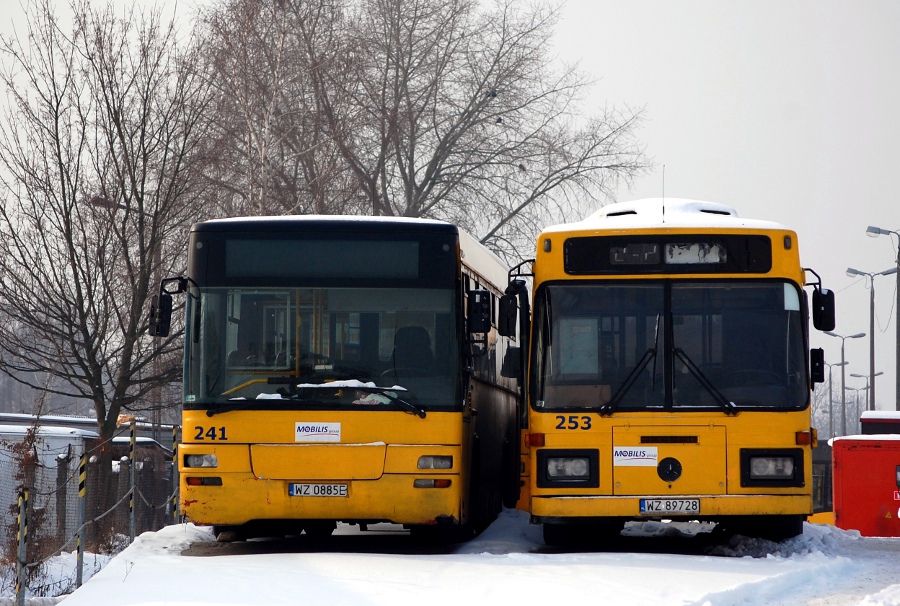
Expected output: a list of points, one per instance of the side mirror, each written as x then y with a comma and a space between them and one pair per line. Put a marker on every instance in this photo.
160, 315
823, 309
506, 323
512, 363
817, 365
478, 311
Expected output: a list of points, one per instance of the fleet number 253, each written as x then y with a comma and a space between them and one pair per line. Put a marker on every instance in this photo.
573, 422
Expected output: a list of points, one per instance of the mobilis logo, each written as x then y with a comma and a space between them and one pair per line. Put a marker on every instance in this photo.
317, 432
635, 457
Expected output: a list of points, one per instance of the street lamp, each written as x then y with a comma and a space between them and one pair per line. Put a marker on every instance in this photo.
869, 384
831, 397
843, 385
871, 279
856, 400
875, 232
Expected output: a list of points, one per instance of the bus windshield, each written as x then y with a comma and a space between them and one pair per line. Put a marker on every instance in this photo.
662, 344
280, 347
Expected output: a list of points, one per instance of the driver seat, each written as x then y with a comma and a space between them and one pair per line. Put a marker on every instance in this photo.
412, 348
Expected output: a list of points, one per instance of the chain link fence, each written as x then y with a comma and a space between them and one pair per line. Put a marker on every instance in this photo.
57, 502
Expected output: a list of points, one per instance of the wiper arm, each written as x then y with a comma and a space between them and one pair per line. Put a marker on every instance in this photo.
610, 407
729, 407
236, 405
243, 404
387, 392
406, 406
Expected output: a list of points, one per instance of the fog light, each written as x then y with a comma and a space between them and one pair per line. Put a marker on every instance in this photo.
435, 462
771, 468
194, 481
559, 468
201, 460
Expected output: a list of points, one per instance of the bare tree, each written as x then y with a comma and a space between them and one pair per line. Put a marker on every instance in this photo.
273, 154
440, 109
97, 156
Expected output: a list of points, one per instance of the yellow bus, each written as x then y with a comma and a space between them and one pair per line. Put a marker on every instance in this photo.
342, 369
669, 373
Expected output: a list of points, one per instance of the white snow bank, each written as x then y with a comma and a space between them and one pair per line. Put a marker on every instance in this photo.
506, 564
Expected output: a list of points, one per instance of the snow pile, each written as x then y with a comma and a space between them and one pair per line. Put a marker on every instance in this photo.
507, 563
885, 597
816, 538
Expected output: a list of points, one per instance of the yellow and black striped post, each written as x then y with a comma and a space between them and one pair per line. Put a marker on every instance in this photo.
82, 493
175, 474
22, 541
131, 466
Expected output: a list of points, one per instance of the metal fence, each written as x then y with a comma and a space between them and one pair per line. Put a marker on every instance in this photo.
48, 510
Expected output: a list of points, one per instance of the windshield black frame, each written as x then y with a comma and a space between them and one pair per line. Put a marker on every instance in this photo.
316, 327
669, 344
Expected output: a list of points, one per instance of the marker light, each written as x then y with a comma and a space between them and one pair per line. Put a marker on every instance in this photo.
535, 440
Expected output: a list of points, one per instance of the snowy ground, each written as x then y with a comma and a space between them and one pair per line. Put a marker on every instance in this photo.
181, 565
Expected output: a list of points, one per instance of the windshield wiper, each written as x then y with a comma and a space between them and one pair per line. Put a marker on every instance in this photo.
729, 407
243, 403
387, 392
406, 406
610, 407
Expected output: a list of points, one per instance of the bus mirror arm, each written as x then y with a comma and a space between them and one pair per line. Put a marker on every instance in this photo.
516, 292
823, 309
160, 319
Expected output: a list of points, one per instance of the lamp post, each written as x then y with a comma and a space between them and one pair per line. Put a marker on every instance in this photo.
831, 396
843, 385
856, 400
875, 232
871, 279
869, 384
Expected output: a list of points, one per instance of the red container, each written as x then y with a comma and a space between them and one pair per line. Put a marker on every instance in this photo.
867, 484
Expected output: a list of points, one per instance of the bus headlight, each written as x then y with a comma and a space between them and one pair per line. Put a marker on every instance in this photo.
775, 467
435, 462
771, 468
568, 468
562, 468
201, 460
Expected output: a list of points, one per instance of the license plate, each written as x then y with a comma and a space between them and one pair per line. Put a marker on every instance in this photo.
317, 490
650, 507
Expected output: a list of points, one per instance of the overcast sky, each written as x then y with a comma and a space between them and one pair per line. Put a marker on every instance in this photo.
786, 110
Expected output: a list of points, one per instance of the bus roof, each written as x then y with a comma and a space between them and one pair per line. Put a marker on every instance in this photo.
324, 222
665, 212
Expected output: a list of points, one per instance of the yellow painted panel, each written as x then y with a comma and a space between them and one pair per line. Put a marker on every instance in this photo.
702, 464
317, 461
356, 427
392, 498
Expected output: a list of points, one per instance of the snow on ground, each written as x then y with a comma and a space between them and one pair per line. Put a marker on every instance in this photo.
505, 564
